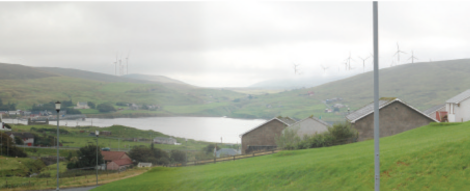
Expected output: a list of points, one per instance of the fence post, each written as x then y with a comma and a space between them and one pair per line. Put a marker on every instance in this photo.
214, 159
233, 157
253, 153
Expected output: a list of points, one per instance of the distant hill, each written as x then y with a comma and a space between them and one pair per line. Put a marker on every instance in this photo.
294, 83
154, 78
87, 75
16, 72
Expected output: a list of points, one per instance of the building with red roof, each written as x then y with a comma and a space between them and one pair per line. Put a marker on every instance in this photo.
116, 160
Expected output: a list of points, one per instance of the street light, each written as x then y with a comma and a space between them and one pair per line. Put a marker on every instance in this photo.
57, 108
97, 133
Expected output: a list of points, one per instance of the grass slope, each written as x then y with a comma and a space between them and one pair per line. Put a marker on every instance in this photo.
433, 157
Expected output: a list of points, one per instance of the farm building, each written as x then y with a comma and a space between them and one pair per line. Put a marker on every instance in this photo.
458, 107
28, 138
437, 112
164, 140
116, 160
263, 137
309, 126
395, 117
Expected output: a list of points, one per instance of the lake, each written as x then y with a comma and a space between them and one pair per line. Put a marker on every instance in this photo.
199, 128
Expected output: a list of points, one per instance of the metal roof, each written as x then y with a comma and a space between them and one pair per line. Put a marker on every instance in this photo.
459, 98
368, 109
287, 120
316, 119
433, 109
277, 119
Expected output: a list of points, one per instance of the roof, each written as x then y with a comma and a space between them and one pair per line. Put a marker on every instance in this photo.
287, 120
273, 119
384, 101
112, 155
316, 119
164, 138
227, 151
433, 109
459, 98
22, 135
122, 162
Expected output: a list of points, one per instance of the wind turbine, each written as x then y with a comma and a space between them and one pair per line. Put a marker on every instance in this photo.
324, 68
127, 62
412, 58
296, 70
364, 62
115, 64
348, 60
397, 53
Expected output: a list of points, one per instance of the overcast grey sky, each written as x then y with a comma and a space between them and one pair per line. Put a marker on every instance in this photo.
228, 44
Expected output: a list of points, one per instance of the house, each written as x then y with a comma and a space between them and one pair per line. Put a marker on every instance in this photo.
395, 117
28, 138
82, 105
116, 160
134, 106
144, 164
3, 127
107, 133
458, 107
437, 112
164, 140
309, 126
226, 152
263, 137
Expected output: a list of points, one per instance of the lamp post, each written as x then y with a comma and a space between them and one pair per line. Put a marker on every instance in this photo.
57, 108
97, 133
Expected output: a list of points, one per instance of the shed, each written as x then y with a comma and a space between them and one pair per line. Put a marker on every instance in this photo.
395, 117
144, 164
458, 107
437, 112
119, 164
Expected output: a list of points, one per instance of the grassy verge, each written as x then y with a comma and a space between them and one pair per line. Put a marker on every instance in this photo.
432, 157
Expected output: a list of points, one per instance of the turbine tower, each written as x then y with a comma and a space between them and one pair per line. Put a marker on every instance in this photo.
412, 58
364, 62
127, 62
397, 53
324, 68
348, 61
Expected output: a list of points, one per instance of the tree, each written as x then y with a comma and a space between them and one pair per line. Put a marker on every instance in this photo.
105, 107
209, 149
8, 147
178, 156
91, 105
87, 157
72, 111
18, 141
153, 155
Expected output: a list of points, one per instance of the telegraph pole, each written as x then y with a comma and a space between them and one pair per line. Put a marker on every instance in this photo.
376, 96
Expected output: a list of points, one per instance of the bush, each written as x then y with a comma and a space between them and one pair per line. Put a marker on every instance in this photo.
178, 156
91, 105
153, 155
288, 139
72, 111
9, 148
87, 157
105, 107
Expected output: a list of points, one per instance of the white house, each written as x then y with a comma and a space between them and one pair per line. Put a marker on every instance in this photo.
3, 127
164, 140
82, 105
309, 126
458, 107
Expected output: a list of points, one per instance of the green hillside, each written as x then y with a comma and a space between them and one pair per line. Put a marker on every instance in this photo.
432, 157
422, 85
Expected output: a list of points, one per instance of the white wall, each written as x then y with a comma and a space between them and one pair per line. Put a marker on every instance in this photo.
462, 112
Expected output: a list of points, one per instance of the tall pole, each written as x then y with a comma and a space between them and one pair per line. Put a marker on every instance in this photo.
376, 96
97, 159
57, 151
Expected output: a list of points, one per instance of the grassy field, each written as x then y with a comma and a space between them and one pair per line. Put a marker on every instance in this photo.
75, 138
433, 157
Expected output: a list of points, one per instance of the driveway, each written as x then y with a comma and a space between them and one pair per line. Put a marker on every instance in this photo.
77, 189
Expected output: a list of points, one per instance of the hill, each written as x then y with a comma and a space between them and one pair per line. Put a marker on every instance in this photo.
427, 158
87, 75
154, 78
422, 85
17, 72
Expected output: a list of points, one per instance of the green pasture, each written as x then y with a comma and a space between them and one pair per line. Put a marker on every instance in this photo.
433, 157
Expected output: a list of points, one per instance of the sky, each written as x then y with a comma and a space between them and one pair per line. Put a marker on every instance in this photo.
229, 44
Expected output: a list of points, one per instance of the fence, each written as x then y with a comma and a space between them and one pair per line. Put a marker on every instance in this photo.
225, 159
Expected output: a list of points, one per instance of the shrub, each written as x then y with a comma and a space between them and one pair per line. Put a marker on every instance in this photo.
178, 156
288, 139
105, 107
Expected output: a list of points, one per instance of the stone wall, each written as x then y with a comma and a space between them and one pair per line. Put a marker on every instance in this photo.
394, 118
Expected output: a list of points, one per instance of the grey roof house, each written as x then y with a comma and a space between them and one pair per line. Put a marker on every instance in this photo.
309, 126
458, 107
395, 117
263, 137
437, 112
